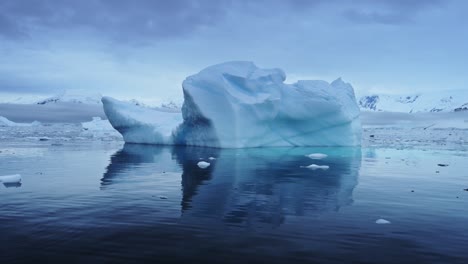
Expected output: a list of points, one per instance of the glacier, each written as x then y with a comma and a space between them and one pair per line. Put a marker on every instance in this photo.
238, 105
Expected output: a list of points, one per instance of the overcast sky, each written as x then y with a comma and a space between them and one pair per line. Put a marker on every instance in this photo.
145, 48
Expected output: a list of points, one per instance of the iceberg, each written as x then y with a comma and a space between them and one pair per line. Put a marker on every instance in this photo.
16, 178
317, 156
238, 105
382, 222
203, 164
141, 125
317, 167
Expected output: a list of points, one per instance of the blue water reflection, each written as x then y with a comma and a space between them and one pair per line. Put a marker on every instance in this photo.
248, 186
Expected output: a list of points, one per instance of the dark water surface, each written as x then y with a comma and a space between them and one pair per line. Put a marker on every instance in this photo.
104, 203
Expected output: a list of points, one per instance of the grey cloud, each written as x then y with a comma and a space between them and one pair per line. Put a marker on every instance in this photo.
9, 28
21, 87
388, 11
119, 19
147, 20
376, 17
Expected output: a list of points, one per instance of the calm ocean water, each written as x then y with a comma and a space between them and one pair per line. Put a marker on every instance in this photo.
106, 203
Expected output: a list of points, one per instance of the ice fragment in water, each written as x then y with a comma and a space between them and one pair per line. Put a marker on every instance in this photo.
317, 156
203, 164
16, 178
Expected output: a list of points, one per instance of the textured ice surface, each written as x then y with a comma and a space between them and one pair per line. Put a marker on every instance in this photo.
237, 105
139, 124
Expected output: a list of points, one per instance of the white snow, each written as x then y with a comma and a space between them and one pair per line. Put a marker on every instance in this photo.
203, 164
16, 178
139, 124
382, 222
20, 99
4, 122
317, 167
77, 96
440, 101
317, 156
426, 121
237, 105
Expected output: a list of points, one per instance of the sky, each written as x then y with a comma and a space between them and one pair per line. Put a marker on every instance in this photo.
144, 49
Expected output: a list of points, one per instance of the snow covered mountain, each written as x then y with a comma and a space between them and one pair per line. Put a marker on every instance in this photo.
444, 101
28, 99
72, 100
73, 96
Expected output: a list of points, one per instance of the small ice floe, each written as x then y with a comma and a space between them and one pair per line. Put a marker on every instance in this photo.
162, 197
382, 222
16, 178
44, 139
203, 164
316, 167
211, 158
317, 156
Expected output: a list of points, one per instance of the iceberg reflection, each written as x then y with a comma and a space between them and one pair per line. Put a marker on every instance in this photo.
245, 186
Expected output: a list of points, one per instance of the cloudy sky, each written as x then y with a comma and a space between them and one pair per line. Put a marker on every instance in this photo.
145, 48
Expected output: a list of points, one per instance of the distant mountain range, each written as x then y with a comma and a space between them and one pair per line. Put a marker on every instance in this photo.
73, 96
444, 101
88, 98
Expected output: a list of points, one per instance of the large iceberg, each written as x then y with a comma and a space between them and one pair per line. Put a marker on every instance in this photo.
237, 105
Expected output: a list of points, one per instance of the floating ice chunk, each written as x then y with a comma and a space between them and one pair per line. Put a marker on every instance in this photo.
317, 156
317, 167
203, 164
211, 158
382, 222
15, 178
162, 197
